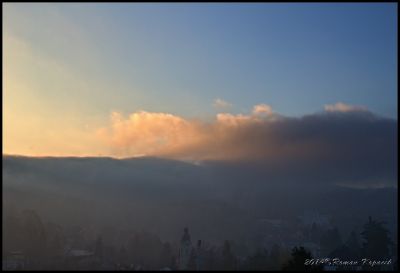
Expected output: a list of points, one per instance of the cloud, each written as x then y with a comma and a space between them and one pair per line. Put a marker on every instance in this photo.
163, 134
147, 133
344, 108
219, 103
262, 109
345, 146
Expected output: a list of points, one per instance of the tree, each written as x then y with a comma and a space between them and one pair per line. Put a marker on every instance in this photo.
298, 259
99, 251
34, 234
354, 246
315, 233
376, 240
173, 265
165, 255
192, 260
12, 230
123, 256
331, 240
210, 260
55, 240
228, 259
258, 261
275, 257
350, 250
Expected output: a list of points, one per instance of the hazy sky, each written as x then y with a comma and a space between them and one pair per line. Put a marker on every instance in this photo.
71, 70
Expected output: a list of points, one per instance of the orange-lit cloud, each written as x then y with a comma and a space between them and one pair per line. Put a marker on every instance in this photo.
262, 109
148, 133
162, 134
261, 134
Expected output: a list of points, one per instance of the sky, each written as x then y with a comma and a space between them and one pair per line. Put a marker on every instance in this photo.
170, 79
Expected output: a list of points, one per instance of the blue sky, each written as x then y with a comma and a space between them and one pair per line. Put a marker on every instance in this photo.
86, 60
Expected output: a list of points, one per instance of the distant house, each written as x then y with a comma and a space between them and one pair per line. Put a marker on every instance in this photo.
80, 259
14, 260
273, 223
308, 218
269, 232
79, 253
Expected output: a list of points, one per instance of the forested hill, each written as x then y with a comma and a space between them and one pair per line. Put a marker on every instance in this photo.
162, 196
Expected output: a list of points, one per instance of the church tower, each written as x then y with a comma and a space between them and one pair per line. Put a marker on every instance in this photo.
185, 250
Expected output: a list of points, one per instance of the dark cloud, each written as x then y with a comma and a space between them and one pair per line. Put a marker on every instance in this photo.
356, 148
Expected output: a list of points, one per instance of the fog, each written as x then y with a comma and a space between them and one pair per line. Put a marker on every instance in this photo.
217, 200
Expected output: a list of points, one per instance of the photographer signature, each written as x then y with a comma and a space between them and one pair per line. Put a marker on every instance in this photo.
339, 262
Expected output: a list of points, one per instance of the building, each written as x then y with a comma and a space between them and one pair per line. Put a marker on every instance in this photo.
14, 260
184, 250
80, 259
308, 218
199, 256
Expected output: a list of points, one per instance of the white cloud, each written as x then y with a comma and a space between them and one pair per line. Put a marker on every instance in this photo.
220, 103
342, 107
262, 109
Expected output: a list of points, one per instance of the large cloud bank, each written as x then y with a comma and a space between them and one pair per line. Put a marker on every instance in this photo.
228, 137
345, 141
